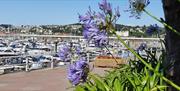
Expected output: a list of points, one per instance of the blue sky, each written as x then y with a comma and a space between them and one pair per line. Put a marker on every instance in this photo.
61, 12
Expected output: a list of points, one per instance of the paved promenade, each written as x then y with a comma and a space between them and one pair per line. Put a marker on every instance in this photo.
38, 80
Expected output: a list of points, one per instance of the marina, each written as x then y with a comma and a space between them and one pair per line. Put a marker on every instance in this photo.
89, 45
31, 52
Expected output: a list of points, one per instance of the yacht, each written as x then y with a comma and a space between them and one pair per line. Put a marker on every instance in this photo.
6, 51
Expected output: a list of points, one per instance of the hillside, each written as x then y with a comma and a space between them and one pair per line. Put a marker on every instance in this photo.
70, 29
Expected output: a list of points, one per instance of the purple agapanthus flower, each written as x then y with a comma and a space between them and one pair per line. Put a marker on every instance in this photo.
78, 50
78, 72
117, 13
153, 29
84, 18
137, 6
87, 17
106, 7
96, 25
90, 31
101, 39
100, 19
103, 4
64, 53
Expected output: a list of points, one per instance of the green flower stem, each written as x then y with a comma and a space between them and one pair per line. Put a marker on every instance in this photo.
171, 83
144, 62
165, 24
111, 55
131, 50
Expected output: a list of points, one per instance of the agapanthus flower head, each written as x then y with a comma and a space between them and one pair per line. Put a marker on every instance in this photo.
103, 4
78, 50
106, 7
84, 18
137, 6
87, 17
99, 37
101, 40
100, 19
78, 72
90, 32
96, 28
117, 13
153, 29
64, 53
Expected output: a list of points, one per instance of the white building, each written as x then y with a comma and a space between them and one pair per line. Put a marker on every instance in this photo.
123, 33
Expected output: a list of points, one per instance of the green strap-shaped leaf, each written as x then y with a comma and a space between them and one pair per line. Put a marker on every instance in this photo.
100, 83
130, 80
90, 87
161, 88
117, 85
79, 88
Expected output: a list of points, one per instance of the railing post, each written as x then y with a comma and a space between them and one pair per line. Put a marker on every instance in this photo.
88, 57
27, 65
52, 63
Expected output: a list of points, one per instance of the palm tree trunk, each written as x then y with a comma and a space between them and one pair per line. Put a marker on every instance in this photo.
172, 17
